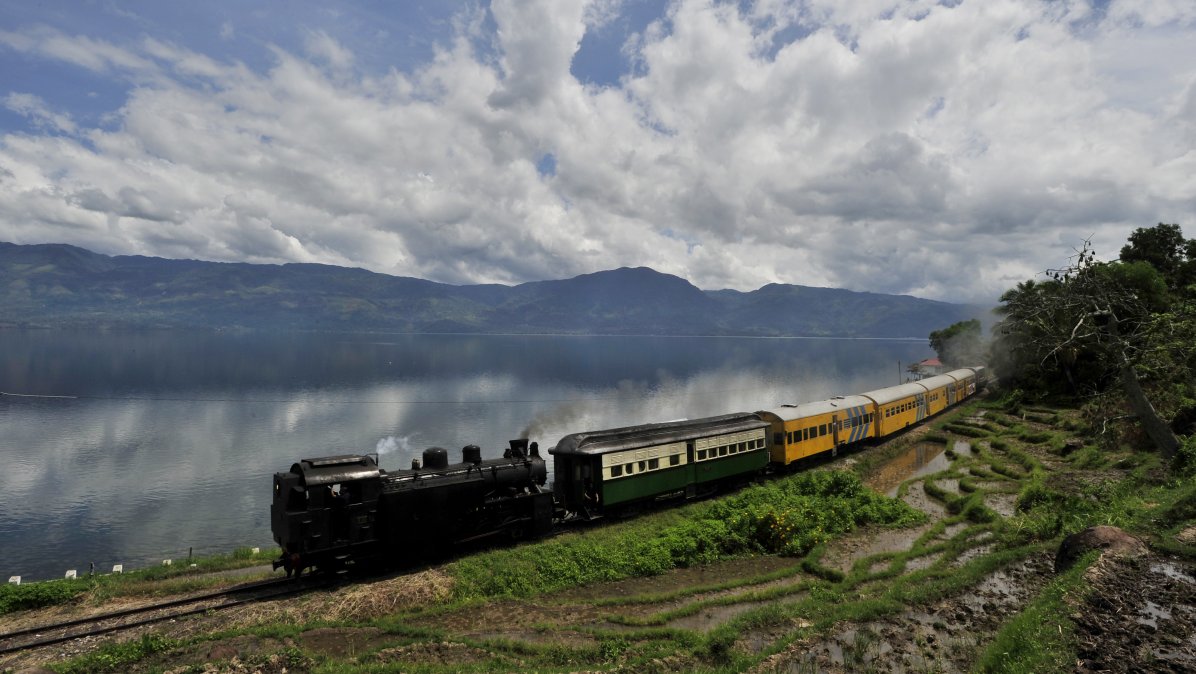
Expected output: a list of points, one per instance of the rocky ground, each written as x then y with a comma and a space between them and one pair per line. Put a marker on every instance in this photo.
1138, 614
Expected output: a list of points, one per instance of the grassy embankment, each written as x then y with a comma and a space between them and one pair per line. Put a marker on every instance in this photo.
1020, 454
158, 581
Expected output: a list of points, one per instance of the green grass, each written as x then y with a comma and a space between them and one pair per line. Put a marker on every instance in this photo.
789, 516
116, 656
154, 581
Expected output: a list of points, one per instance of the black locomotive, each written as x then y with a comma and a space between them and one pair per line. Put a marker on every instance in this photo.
327, 512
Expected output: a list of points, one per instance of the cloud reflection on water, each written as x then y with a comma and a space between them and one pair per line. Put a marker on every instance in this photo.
179, 455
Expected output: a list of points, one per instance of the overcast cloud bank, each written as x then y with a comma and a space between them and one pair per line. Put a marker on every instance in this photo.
940, 151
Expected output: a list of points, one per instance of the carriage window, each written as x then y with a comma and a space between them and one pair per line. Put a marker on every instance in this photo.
722, 451
629, 468
641, 466
616, 471
675, 460
653, 464
822, 429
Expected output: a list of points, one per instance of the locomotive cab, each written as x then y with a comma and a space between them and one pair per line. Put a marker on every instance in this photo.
322, 505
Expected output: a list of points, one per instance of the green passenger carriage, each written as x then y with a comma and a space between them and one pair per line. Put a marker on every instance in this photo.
614, 468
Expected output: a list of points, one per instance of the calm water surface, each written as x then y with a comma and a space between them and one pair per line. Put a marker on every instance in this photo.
170, 439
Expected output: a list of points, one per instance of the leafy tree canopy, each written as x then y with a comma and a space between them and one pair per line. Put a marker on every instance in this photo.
1164, 248
1110, 331
960, 344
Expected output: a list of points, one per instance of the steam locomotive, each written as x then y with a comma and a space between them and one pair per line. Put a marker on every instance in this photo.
327, 512
331, 511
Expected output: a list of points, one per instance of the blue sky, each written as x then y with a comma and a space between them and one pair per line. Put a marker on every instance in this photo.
875, 145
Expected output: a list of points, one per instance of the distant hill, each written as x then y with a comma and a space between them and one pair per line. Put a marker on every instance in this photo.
61, 286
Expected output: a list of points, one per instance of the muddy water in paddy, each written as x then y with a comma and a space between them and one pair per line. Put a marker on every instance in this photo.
920, 460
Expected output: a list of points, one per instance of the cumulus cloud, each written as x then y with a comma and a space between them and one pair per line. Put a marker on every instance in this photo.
912, 147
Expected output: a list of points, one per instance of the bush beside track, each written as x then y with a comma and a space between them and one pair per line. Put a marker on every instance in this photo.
790, 516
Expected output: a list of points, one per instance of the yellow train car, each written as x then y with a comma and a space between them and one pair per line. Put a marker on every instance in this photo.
898, 407
938, 393
965, 383
804, 430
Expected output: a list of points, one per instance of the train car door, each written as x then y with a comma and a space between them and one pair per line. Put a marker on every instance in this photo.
835, 424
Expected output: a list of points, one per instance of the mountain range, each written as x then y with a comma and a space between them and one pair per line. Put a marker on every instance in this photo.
62, 286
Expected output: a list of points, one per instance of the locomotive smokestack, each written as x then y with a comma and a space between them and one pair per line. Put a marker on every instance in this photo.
518, 449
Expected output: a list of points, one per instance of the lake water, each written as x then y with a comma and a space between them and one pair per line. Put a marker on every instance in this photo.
168, 440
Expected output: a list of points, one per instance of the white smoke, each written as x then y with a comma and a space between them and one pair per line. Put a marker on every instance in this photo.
394, 443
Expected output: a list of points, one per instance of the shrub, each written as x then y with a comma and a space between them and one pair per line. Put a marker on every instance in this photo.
788, 516
37, 595
1185, 459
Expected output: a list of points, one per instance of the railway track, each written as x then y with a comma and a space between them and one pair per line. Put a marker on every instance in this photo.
116, 621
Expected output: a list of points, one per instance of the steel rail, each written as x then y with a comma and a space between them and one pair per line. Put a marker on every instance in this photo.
285, 587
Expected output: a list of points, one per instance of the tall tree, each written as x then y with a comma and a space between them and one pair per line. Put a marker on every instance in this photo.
959, 344
1162, 247
1087, 324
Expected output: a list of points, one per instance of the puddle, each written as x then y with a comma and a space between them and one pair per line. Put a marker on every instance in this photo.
953, 529
1172, 571
848, 551
948, 484
1151, 614
713, 616
917, 498
1004, 505
998, 589
972, 553
677, 579
568, 638
756, 640
921, 459
990, 485
920, 563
